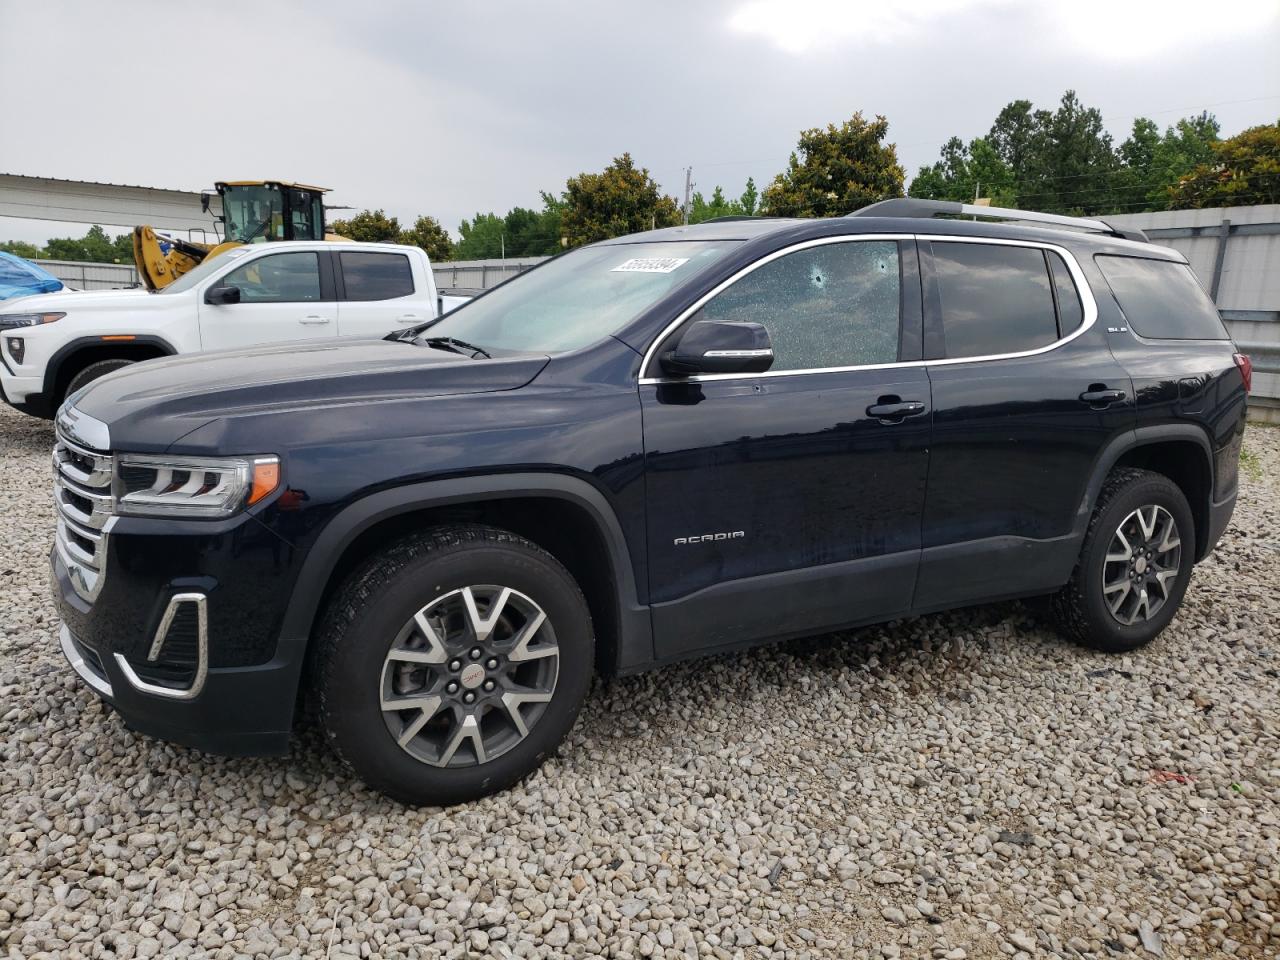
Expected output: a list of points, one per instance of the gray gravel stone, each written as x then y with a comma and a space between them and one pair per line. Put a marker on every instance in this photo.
961, 785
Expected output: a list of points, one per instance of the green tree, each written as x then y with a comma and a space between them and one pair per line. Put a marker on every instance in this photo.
94, 247
619, 200
20, 248
836, 171
123, 248
1070, 161
368, 226
965, 171
481, 238
1244, 169
1152, 165
533, 233
521, 233
1186, 145
430, 237
701, 209
1012, 136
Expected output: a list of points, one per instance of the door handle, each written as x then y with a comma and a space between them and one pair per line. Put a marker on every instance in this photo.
314, 319
1099, 397
894, 410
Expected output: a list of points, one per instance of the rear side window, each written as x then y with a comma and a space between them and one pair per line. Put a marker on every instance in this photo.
995, 299
1161, 299
376, 276
1070, 312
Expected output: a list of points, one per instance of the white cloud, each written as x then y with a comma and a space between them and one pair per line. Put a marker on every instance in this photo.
1110, 29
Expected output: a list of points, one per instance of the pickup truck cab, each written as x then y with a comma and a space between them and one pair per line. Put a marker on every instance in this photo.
53, 344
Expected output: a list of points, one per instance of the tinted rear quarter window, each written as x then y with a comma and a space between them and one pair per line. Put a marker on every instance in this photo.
995, 299
1161, 299
1070, 312
376, 276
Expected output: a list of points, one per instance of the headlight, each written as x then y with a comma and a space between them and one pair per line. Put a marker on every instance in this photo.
153, 486
11, 321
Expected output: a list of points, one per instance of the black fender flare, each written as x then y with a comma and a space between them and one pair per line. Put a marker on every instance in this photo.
68, 349
635, 639
1133, 439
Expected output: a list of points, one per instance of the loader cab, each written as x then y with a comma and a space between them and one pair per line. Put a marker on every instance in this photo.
263, 211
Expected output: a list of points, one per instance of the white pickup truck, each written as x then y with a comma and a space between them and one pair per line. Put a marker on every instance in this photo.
54, 343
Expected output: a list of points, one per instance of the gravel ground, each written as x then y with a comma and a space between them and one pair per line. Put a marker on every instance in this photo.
965, 785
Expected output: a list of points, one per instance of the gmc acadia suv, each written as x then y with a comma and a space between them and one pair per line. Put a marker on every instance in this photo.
664, 445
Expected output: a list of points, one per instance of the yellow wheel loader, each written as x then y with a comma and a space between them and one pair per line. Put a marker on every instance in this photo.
253, 211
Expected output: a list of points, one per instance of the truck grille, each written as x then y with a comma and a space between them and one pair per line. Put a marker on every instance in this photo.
82, 494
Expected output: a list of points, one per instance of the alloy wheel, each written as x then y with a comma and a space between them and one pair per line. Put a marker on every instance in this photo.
1141, 565
469, 675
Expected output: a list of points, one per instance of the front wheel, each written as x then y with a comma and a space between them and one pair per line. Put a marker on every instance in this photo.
92, 372
1135, 564
452, 664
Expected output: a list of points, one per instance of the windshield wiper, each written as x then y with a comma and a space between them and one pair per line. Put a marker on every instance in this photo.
454, 345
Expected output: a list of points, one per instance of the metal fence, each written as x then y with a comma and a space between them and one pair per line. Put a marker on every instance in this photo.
92, 276
476, 275
1235, 251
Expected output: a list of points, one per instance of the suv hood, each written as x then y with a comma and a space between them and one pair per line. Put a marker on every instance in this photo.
148, 406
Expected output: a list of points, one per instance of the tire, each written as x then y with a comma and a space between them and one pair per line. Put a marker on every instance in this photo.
91, 373
1104, 577
430, 577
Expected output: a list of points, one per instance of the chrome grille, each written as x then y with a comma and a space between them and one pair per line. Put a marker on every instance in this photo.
82, 494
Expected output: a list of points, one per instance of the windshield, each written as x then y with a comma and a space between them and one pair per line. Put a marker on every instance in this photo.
253, 214
203, 269
579, 298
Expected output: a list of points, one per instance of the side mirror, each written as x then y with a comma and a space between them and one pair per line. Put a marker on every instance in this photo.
223, 294
720, 346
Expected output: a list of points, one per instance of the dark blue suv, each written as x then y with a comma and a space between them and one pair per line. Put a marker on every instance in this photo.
659, 446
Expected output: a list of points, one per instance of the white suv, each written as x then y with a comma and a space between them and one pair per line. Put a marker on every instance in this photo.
53, 344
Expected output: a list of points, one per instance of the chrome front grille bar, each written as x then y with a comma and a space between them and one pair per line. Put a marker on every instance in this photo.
86, 509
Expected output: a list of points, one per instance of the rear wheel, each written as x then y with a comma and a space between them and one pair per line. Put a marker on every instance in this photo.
91, 373
452, 664
1135, 564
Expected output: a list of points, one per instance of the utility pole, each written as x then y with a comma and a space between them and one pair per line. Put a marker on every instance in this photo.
688, 192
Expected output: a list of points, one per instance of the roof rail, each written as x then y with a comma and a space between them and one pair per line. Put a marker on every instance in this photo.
913, 207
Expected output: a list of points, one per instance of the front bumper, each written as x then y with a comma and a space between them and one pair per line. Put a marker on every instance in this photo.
24, 395
245, 710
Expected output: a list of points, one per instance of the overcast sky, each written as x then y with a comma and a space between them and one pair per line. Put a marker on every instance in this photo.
454, 108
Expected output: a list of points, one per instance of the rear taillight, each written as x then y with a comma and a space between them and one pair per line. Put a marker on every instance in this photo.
1245, 366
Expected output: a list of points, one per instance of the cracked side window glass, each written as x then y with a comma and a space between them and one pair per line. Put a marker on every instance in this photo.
835, 305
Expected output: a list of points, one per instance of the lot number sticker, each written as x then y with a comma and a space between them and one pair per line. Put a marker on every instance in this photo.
650, 265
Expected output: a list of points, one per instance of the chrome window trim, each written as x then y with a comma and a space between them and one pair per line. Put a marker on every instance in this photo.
1087, 301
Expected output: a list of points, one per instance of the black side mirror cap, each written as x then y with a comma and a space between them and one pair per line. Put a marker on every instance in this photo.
720, 346
224, 294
